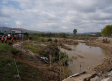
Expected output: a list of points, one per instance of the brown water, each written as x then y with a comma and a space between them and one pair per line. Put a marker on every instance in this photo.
82, 47
85, 56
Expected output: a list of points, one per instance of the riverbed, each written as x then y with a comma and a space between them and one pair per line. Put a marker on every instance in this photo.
85, 57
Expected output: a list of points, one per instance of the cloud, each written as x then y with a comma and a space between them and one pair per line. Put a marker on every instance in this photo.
4, 21
18, 22
64, 27
56, 15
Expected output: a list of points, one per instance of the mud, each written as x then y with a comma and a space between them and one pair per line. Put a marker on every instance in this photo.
104, 66
100, 44
85, 57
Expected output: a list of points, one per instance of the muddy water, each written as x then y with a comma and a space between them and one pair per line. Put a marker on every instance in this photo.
81, 47
85, 56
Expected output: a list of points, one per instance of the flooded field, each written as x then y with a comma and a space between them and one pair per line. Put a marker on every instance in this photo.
85, 56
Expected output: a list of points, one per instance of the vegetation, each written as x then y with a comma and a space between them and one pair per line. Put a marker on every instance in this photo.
8, 70
50, 50
75, 31
8, 49
107, 31
36, 36
64, 59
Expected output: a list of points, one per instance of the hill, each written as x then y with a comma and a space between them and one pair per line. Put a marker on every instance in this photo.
18, 66
23, 30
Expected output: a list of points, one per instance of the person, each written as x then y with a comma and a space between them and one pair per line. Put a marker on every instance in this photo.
5, 39
12, 39
2, 39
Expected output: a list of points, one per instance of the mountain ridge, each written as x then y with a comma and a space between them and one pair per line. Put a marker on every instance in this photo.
2, 29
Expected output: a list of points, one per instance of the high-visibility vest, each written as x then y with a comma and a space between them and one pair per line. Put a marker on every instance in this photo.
5, 38
2, 38
12, 39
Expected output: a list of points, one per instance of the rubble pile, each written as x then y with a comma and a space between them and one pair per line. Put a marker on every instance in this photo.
106, 41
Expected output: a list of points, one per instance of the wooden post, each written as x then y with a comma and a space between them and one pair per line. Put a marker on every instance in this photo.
50, 59
80, 67
59, 62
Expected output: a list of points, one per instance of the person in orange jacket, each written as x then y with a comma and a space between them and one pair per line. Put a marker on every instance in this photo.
2, 39
12, 39
5, 39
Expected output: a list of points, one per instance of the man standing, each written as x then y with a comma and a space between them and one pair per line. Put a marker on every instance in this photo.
5, 39
2, 39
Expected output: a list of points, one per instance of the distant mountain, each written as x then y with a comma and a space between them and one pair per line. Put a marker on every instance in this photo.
87, 33
31, 31
5, 29
23, 30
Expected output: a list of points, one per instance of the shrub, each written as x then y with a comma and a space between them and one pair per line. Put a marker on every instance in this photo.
50, 49
49, 39
55, 40
64, 59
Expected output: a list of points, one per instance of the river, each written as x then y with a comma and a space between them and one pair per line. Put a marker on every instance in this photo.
85, 57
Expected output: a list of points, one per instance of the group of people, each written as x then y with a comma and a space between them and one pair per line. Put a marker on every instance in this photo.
4, 38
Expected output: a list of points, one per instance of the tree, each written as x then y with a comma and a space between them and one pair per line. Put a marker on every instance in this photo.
107, 31
75, 31
98, 34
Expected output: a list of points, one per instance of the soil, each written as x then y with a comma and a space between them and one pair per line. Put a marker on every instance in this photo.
28, 58
80, 59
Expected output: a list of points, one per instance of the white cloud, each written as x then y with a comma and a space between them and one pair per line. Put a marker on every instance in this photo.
18, 22
64, 27
53, 15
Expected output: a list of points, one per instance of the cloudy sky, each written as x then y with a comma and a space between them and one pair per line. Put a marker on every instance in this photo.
56, 15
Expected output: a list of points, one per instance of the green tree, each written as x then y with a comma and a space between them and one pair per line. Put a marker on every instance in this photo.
40, 34
98, 34
75, 31
107, 31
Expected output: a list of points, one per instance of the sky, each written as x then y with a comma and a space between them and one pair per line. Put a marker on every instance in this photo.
56, 15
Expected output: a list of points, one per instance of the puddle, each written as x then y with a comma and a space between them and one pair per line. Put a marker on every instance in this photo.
85, 56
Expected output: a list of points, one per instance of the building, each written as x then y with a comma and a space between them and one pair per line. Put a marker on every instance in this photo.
16, 34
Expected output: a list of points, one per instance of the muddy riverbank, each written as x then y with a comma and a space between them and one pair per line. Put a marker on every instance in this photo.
99, 43
85, 57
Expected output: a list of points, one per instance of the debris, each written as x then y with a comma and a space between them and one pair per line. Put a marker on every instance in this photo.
105, 40
104, 66
77, 74
42, 59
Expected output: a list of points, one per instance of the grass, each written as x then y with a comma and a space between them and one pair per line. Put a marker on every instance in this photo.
33, 48
45, 51
4, 47
46, 43
8, 49
8, 70
50, 49
25, 43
